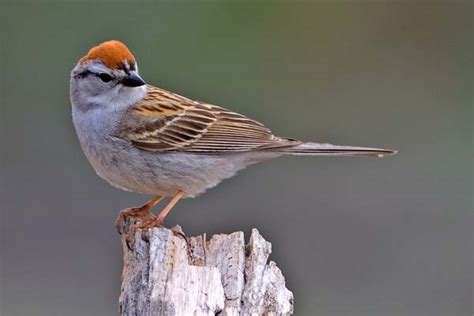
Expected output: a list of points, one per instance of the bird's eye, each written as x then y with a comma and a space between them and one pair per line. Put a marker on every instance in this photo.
104, 77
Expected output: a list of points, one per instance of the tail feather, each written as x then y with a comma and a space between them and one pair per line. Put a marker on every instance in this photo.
317, 149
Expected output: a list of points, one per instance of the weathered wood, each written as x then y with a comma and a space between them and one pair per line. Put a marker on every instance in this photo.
170, 274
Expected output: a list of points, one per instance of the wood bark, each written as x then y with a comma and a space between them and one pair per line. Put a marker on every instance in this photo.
167, 273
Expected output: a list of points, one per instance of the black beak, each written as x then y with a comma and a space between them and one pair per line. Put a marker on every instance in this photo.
133, 80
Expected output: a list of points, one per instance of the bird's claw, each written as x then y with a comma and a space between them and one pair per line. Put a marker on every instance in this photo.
129, 243
178, 231
132, 216
143, 229
130, 221
145, 235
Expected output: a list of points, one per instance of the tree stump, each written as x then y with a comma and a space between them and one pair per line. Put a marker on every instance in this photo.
171, 274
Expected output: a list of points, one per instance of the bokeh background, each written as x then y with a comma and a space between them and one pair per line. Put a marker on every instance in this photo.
353, 236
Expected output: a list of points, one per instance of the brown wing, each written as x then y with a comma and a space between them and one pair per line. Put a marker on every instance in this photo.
164, 121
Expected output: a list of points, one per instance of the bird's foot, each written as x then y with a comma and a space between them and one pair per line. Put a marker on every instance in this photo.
155, 222
130, 220
131, 217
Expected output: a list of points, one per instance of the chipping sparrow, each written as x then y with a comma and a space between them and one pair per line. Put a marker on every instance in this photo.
144, 139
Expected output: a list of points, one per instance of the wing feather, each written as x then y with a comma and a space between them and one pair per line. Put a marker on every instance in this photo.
164, 121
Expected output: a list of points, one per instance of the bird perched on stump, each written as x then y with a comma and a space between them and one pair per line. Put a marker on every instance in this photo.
145, 139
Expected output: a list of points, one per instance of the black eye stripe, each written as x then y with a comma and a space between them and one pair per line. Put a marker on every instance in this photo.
104, 77
84, 74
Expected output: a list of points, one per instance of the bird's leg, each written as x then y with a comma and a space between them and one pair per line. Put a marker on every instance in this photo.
135, 215
161, 216
157, 221
153, 221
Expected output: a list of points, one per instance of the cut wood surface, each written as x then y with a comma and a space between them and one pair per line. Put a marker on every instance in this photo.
171, 274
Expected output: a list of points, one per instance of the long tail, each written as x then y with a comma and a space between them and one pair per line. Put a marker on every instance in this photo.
317, 149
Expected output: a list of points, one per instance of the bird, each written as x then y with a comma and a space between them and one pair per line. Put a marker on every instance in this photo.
145, 139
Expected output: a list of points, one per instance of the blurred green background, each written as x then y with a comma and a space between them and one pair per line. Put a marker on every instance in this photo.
353, 236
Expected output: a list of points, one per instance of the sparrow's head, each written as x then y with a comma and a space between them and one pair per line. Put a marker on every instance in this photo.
107, 76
